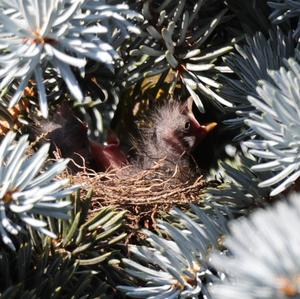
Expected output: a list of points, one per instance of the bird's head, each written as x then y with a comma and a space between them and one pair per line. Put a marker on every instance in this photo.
177, 129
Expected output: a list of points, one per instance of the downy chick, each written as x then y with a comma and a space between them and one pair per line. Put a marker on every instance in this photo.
66, 133
171, 139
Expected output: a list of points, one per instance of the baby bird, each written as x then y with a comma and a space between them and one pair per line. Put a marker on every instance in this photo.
171, 139
65, 132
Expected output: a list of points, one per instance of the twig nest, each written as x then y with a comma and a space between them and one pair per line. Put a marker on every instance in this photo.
142, 190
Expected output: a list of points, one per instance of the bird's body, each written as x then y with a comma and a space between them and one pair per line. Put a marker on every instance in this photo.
66, 133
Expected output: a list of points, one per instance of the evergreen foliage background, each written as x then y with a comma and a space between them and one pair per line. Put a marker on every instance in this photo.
112, 61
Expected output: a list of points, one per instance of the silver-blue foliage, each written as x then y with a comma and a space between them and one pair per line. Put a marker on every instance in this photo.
57, 34
240, 191
176, 267
251, 63
276, 124
283, 10
264, 255
28, 189
176, 40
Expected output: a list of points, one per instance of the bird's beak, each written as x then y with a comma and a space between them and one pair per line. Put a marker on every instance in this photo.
209, 127
112, 139
198, 130
109, 155
201, 131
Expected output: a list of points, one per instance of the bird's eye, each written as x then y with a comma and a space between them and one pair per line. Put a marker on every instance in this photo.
187, 125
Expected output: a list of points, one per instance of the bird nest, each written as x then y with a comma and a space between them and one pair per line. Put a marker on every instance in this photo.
145, 194
142, 191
